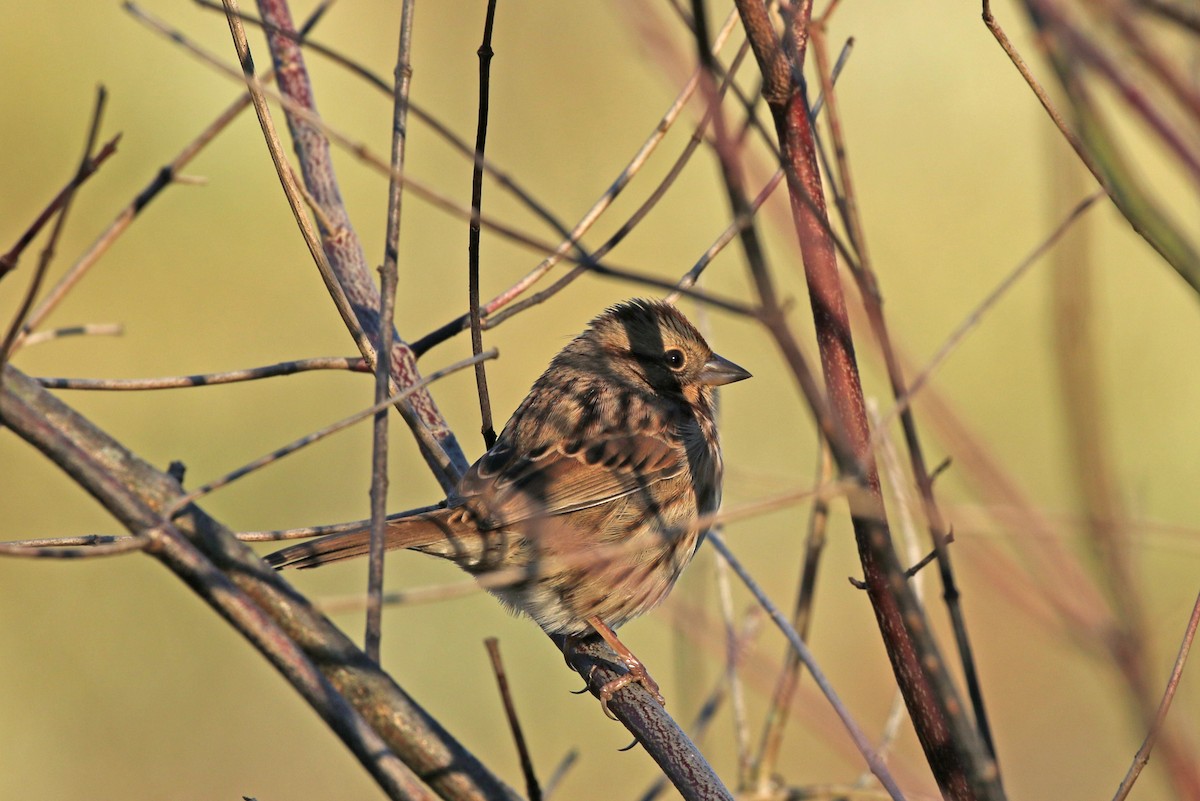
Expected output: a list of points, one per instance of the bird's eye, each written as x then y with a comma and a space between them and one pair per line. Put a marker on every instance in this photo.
674, 358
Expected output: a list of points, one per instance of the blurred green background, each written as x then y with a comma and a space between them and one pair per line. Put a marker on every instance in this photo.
118, 682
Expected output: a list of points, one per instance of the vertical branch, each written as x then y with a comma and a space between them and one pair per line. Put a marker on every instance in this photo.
388, 280
872, 301
952, 745
485, 64
400, 105
379, 464
532, 787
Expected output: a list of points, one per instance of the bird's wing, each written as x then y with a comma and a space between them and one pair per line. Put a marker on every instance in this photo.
505, 487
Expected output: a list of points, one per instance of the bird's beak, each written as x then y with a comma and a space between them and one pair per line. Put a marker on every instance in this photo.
718, 371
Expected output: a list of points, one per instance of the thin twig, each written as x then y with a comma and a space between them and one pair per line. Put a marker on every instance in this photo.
47, 256
389, 278
354, 364
401, 103
532, 788
8, 261
324, 432
733, 652
52, 549
876, 764
85, 330
485, 53
1143, 754
906, 524
984, 306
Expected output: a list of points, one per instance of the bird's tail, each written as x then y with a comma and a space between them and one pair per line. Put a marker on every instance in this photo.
416, 531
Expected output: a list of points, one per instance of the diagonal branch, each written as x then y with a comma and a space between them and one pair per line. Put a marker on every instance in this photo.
340, 249
377, 720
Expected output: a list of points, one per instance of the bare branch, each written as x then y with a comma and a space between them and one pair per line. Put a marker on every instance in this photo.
350, 363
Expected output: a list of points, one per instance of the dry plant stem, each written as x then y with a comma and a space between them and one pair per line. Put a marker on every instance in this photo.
856, 734
733, 645
533, 790
352, 364
361, 704
657, 732
388, 282
1143, 755
504, 179
65, 542
47, 255
648, 147
759, 670
481, 164
297, 197
389, 278
589, 218
1096, 149
1010, 50
485, 53
1079, 49
52, 549
907, 526
85, 330
789, 676
952, 745
8, 261
634, 219
1097, 482
430, 196
1132, 35
400, 107
341, 246
871, 297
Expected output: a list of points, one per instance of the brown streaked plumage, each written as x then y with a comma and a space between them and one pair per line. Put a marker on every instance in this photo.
592, 489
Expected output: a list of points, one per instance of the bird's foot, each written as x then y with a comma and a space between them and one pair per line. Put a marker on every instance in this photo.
635, 671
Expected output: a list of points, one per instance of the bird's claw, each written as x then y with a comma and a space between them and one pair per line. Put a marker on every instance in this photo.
636, 675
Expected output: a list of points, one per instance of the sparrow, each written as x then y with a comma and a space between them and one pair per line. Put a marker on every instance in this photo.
594, 497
